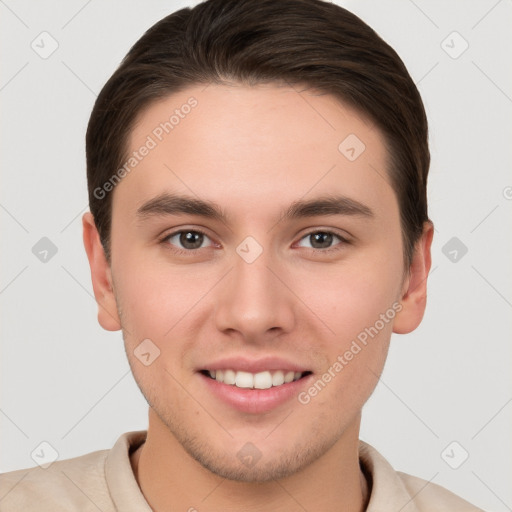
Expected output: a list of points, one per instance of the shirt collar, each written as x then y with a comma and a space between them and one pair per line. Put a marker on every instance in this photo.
387, 491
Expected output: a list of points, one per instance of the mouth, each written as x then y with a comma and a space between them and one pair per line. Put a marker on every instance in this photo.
262, 380
254, 386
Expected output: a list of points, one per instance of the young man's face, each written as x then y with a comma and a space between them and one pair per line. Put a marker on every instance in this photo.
258, 291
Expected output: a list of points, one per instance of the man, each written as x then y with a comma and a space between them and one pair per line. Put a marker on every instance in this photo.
257, 178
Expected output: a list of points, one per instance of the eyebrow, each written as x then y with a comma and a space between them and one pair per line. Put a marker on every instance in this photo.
171, 204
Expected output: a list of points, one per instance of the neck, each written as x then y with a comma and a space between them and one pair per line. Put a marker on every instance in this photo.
171, 479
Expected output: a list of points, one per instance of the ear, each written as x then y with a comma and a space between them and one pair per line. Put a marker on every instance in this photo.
414, 290
101, 275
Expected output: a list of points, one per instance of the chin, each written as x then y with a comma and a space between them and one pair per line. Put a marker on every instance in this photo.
259, 470
249, 464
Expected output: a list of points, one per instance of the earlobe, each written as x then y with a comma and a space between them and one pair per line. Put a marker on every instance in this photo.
414, 292
101, 275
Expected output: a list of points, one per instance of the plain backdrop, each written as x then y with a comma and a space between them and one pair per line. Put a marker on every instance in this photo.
66, 381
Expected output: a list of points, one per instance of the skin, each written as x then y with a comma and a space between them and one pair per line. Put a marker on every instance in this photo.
254, 151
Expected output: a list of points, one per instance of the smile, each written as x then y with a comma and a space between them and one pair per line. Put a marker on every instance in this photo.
260, 380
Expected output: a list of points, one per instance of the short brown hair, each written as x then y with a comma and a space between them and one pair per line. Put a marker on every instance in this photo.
299, 42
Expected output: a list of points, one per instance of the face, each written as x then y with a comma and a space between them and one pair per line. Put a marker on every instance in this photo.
257, 245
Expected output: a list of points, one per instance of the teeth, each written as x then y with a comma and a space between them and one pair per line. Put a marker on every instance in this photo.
288, 377
261, 380
278, 378
244, 380
229, 377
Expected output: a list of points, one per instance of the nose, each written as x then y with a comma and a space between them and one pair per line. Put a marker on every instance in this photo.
255, 301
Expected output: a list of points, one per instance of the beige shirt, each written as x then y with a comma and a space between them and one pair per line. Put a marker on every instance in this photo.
104, 481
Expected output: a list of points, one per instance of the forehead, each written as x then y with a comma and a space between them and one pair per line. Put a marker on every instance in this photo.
254, 145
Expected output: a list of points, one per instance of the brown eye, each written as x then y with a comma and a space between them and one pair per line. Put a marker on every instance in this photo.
320, 240
187, 239
191, 239
323, 241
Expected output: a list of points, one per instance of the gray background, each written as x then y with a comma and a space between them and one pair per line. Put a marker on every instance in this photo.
66, 381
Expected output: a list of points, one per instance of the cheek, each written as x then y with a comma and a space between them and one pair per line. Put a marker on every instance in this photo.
358, 304
353, 357
350, 298
154, 297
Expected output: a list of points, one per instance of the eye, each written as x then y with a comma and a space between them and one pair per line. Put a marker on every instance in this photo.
187, 240
321, 240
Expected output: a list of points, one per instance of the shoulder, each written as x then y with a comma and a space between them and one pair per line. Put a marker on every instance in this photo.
429, 496
394, 490
72, 484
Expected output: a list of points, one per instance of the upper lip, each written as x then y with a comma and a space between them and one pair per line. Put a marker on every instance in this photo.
254, 365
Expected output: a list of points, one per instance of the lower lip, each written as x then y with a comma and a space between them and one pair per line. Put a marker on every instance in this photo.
255, 401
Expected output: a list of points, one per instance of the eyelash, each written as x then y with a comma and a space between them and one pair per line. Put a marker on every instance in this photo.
177, 250
191, 252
